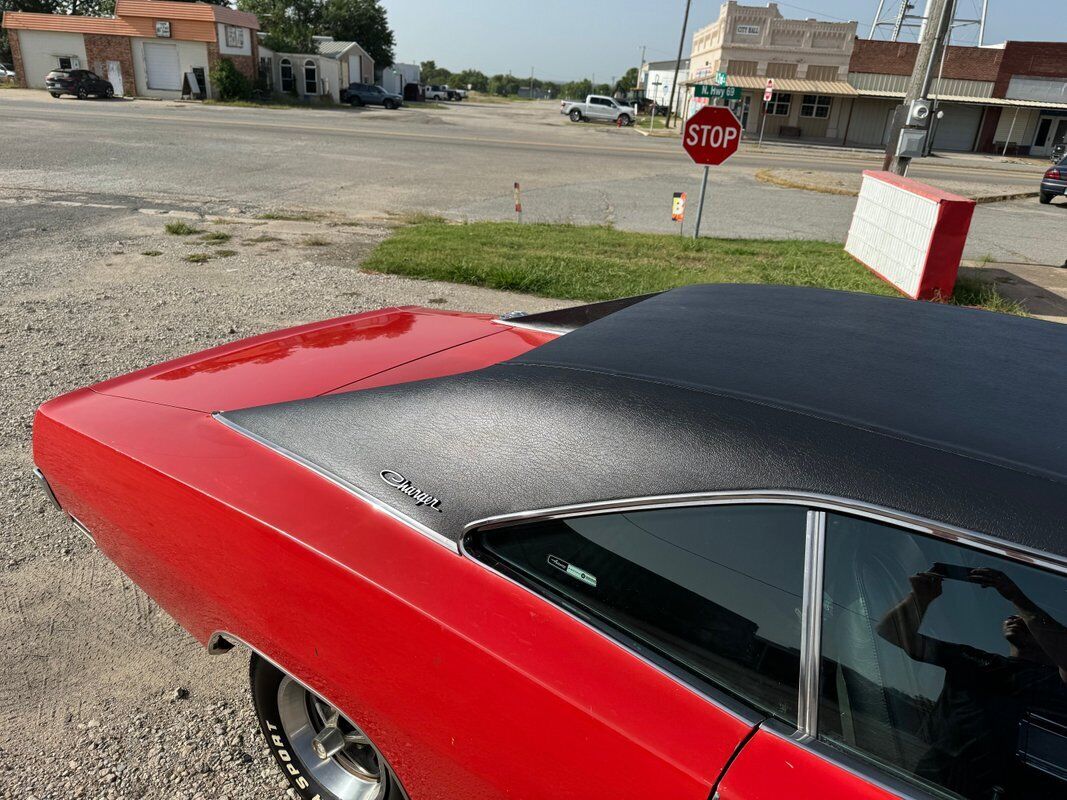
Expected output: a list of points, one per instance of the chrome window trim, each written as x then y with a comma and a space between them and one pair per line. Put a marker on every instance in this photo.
862, 769
370, 499
540, 327
811, 625
824, 502
720, 700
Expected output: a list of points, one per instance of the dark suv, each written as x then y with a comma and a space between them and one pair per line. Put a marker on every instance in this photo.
363, 94
78, 82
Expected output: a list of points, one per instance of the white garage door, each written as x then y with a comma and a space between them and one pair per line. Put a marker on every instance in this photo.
958, 129
161, 63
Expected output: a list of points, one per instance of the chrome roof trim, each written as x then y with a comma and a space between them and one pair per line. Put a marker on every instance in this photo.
721, 700
367, 498
811, 623
543, 327
979, 541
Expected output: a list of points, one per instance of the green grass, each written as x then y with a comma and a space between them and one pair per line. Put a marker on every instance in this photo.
599, 263
316, 241
198, 258
225, 253
263, 237
216, 236
180, 229
152, 253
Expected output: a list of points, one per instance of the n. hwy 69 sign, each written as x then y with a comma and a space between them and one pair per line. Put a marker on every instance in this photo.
711, 135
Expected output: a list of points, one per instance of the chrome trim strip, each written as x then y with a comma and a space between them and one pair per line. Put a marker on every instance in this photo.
811, 626
342, 483
81, 526
542, 327
889, 516
891, 785
214, 649
723, 702
46, 487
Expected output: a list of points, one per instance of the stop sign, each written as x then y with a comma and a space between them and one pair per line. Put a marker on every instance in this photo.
711, 135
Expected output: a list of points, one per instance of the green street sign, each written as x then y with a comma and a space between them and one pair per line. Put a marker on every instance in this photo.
725, 92
720, 78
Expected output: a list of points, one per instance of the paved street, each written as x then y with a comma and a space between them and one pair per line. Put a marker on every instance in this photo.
461, 161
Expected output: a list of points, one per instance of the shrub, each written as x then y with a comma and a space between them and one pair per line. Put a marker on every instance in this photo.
229, 82
180, 229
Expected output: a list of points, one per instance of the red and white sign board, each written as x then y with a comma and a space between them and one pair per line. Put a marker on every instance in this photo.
909, 234
768, 92
711, 135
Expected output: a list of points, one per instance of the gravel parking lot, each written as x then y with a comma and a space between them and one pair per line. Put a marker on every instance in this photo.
102, 695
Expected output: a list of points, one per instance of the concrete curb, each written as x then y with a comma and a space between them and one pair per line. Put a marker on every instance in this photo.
768, 176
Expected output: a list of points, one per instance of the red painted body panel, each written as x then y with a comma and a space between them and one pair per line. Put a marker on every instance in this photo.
471, 686
771, 767
301, 362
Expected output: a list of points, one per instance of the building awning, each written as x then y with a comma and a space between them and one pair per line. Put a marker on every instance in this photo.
981, 101
799, 85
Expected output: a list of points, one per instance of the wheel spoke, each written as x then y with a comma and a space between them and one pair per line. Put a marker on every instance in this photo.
356, 738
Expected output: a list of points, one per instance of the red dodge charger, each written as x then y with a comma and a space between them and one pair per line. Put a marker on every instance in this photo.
723, 541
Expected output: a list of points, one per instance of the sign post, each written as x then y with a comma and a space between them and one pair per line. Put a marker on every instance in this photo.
710, 137
678, 210
768, 93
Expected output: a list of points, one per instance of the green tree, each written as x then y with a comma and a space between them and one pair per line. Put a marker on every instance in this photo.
477, 80
289, 24
36, 6
628, 82
430, 73
362, 21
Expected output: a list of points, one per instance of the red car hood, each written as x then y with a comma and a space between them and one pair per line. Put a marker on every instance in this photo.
300, 362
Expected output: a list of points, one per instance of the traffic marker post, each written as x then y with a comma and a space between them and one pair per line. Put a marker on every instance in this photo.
711, 136
678, 211
518, 203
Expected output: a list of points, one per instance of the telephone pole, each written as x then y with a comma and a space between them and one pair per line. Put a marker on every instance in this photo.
922, 75
677, 65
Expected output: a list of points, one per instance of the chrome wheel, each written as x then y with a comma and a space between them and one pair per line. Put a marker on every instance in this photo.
336, 753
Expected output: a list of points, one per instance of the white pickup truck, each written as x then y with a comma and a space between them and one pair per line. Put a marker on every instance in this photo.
598, 106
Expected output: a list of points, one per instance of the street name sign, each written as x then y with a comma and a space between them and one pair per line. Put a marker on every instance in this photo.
710, 91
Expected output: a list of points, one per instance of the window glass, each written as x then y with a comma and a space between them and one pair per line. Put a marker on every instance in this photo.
944, 664
779, 104
815, 105
714, 591
311, 78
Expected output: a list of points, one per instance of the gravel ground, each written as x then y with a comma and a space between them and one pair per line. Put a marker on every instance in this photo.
102, 695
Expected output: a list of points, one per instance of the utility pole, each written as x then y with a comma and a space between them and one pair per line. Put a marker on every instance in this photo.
981, 26
678, 64
922, 76
640, 66
531, 83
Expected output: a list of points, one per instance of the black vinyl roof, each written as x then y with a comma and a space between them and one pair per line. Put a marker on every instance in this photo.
952, 414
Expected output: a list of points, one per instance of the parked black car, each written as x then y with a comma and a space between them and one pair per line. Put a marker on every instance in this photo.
363, 94
79, 82
1054, 181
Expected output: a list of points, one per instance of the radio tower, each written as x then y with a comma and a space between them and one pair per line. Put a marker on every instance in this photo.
897, 19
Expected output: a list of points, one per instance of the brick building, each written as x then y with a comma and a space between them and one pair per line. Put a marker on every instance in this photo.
834, 88
147, 49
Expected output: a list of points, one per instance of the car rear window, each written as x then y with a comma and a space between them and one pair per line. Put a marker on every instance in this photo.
59, 73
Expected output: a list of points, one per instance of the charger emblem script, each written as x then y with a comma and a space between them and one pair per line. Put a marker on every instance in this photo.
402, 484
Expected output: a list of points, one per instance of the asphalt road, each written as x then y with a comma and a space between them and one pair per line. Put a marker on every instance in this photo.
460, 161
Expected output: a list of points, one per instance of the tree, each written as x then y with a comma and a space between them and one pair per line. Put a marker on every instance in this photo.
289, 24
430, 73
628, 82
362, 21
229, 82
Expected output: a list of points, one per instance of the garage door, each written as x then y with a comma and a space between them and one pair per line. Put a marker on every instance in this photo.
958, 129
161, 64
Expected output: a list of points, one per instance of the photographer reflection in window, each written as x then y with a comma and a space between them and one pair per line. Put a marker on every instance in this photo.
976, 726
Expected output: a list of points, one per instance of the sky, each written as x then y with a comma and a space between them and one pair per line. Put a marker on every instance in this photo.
571, 39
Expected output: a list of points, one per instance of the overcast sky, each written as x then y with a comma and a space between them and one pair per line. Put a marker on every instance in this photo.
567, 39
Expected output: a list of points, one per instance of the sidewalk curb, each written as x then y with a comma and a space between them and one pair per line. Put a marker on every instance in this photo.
768, 176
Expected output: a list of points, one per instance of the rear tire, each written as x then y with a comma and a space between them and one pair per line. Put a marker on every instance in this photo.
575, 115
624, 120
355, 102
1045, 198
109, 92
82, 94
289, 715
55, 95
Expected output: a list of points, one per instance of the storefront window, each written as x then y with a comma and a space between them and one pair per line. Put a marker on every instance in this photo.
815, 105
